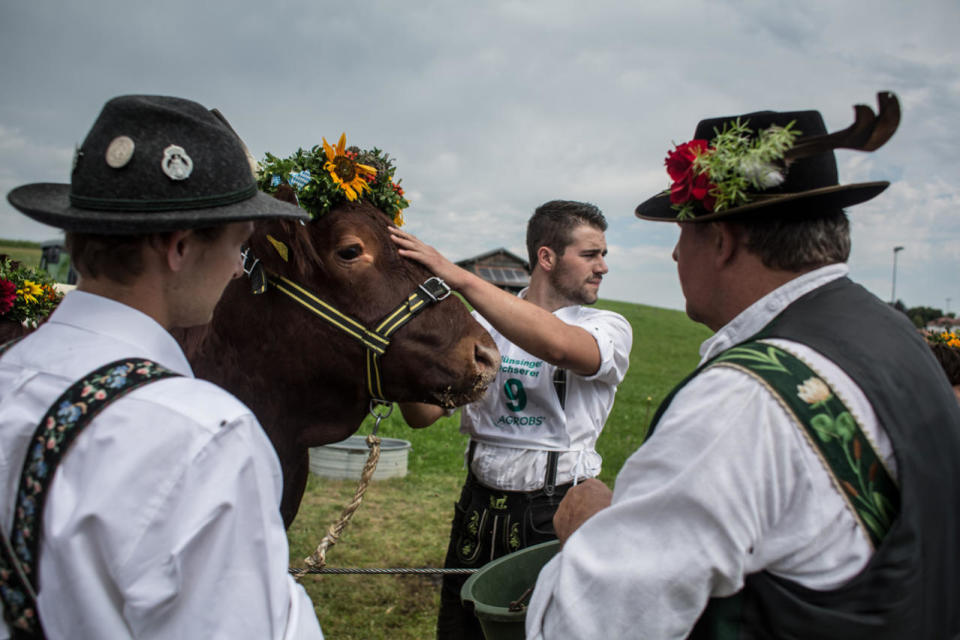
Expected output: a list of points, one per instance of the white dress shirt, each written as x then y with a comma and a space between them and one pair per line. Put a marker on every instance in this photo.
726, 486
513, 440
162, 520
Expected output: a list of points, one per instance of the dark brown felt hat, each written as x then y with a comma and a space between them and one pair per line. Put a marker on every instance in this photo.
153, 164
810, 184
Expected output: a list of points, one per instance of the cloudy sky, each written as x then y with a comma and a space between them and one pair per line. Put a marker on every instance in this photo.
491, 108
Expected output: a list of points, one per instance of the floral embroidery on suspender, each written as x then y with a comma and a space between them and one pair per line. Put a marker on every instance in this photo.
858, 472
63, 421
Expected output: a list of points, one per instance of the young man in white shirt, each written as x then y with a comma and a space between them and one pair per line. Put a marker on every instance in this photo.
161, 519
533, 434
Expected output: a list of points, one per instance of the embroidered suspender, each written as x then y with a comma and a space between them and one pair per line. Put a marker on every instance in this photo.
857, 471
63, 421
553, 457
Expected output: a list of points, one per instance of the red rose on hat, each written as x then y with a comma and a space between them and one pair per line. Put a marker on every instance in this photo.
686, 183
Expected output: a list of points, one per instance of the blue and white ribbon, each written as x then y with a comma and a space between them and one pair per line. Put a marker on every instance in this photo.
299, 180
275, 181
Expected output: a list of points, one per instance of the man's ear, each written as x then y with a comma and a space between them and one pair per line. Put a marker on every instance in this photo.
175, 248
546, 258
728, 240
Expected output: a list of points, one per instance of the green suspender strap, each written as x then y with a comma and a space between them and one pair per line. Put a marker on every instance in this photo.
858, 473
61, 424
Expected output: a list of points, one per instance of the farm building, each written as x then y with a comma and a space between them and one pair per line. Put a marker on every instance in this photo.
946, 323
504, 269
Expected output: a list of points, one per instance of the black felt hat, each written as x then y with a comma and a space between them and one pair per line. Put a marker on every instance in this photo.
153, 164
809, 169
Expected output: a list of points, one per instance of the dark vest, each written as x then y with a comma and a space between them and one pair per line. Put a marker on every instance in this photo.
910, 589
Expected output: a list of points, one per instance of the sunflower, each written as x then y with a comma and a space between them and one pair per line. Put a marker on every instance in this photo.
350, 175
30, 291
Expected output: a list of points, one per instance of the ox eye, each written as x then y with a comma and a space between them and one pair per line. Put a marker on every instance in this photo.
350, 253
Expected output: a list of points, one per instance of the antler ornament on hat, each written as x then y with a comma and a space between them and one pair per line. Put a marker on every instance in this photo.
768, 161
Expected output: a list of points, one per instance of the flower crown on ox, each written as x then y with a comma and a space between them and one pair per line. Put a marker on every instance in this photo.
720, 175
326, 176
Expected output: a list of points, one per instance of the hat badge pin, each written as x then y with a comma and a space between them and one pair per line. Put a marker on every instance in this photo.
120, 151
176, 164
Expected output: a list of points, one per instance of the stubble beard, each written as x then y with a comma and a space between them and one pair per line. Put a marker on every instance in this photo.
575, 295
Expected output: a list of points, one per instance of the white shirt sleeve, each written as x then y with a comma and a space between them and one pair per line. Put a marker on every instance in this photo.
614, 337
203, 556
711, 497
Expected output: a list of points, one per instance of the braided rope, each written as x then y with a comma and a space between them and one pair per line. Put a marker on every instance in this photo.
318, 560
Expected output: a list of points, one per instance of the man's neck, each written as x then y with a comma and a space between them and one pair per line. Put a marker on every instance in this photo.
541, 293
141, 295
746, 288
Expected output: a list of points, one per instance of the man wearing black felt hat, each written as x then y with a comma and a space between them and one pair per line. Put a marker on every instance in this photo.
138, 501
802, 482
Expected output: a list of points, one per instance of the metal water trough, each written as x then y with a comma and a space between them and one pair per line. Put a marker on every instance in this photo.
344, 460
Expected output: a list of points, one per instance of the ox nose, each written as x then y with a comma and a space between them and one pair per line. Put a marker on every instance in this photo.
486, 357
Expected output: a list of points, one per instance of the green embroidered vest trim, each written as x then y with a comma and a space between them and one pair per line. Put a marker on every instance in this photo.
857, 471
58, 428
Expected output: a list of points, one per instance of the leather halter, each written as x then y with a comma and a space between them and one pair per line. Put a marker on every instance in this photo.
375, 341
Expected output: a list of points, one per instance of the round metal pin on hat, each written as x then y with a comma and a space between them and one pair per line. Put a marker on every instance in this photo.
120, 151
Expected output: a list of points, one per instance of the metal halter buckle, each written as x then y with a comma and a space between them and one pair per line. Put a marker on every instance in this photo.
435, 288
248, 266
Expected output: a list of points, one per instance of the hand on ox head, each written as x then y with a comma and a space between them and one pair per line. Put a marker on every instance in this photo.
409, 246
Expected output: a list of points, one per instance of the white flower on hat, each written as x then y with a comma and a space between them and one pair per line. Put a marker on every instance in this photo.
765, 175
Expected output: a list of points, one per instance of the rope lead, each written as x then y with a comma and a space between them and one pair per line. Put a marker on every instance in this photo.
316, 562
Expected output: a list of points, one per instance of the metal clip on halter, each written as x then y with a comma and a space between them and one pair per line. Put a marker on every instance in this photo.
254, 270
379, 416
435, 289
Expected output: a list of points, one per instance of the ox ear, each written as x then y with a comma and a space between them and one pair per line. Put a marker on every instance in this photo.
286, 193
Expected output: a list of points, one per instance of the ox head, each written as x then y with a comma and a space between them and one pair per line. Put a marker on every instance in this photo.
304, 378
346, 260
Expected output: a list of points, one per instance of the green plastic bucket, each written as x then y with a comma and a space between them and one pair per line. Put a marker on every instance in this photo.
498, 583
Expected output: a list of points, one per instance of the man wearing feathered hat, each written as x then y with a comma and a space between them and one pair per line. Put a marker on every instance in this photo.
802, 482
139, 501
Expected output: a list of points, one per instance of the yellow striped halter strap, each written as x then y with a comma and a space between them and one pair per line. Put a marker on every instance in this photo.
375, 341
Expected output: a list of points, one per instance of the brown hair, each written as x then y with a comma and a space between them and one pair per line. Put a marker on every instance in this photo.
119, 257
553, 222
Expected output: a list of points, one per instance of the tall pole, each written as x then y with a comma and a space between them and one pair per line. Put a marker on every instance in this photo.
893, 292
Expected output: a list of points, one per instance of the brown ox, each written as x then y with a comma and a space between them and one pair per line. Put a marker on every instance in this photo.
304, 379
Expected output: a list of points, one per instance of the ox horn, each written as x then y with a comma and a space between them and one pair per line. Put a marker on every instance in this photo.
867, 133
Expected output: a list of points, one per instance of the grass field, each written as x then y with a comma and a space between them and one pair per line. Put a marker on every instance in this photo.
405, 522
22, 251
